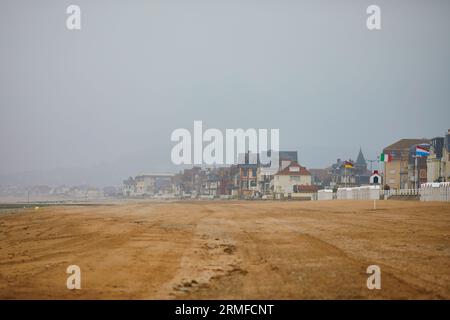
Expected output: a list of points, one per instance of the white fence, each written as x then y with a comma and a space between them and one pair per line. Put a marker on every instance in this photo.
435, 191
427, 192
400, 192
325, 195
359, 193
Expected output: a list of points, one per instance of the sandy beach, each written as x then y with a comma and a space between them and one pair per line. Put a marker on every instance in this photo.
227, 250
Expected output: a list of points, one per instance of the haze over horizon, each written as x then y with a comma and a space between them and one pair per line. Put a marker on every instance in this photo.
99, 104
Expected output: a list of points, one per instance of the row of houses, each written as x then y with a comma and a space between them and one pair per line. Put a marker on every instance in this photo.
148, 185
252, 180
248, 180
61, 191
244, 180
402, 169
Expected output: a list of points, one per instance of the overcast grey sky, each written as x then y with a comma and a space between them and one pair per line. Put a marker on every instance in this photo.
113, 92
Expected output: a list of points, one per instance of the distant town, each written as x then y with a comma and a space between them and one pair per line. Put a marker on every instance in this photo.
404, 166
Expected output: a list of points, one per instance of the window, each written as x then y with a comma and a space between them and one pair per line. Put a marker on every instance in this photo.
295, 178
244, 172
253, 183
254, 172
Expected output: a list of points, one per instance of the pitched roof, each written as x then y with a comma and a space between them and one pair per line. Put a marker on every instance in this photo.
301, 171
405, 144
360, 160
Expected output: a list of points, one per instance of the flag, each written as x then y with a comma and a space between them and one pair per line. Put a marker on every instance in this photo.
348, 164
385, 157
422, 152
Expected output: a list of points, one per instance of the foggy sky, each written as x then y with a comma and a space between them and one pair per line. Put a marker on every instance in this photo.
110, 95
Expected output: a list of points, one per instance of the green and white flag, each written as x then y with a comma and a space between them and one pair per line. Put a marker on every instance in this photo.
384, 157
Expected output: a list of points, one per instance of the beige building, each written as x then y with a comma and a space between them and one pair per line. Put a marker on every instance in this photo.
396, 170
145, 184
287, 180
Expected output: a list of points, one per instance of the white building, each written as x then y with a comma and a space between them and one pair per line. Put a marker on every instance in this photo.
375, 178
265, 179
291, 176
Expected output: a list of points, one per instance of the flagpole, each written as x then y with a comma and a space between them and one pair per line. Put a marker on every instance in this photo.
345, 176
416, 173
